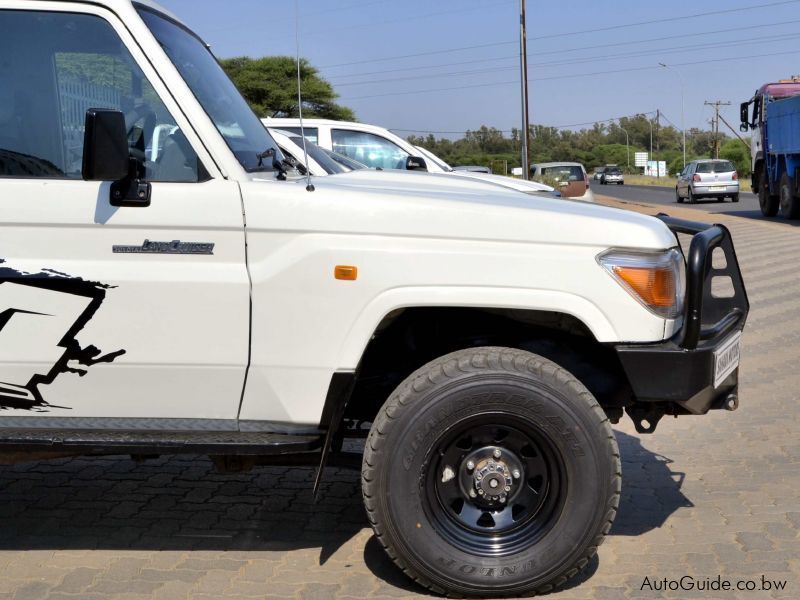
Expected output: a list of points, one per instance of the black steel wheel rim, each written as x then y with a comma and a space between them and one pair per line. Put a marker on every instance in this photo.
494, 484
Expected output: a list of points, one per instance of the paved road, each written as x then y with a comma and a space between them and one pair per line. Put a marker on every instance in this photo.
747, 207
703, 497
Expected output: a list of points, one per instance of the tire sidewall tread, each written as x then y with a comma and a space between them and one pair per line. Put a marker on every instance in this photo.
417, 396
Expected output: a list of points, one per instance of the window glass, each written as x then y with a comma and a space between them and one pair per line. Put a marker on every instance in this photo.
316, 153
64, 64
311, 133
234, 119
717, 166
563, 172
369, 149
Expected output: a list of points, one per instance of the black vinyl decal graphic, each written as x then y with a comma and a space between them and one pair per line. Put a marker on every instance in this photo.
40, 316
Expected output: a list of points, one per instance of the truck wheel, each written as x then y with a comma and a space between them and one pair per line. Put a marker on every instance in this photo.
678, 197
491, 471
766, 201
789, 203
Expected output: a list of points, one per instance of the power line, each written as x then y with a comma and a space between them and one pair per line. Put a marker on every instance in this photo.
667, 37
567, 50
661, 51
664, 20
453, 64
575, 75
610, 119
398, 57
538, 37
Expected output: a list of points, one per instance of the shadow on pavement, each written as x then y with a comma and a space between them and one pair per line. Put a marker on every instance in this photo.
651, 490
180, 503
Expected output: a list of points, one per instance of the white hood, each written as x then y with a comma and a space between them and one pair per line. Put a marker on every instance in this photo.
444, 206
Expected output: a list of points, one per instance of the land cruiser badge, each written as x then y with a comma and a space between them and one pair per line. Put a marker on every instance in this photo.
173, 247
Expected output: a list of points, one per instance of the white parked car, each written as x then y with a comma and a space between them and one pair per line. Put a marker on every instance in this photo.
190, 297
320, 161
380, 148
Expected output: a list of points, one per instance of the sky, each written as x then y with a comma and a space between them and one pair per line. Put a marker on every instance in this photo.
420, 66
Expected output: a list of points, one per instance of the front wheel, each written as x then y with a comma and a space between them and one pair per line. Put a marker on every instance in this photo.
491, 471
766, 201
789, 203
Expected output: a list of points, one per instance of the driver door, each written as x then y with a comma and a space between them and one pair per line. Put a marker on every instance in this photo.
133, 316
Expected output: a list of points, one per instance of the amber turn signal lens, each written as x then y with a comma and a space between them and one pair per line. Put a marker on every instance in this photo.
345, 272
656, 287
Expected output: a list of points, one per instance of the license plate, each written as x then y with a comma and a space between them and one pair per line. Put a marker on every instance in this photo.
717, 188
726, 358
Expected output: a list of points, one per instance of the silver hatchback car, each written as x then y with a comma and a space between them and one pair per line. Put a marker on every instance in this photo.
708, 178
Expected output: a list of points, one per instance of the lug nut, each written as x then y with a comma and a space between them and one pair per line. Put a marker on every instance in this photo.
496, 453
503, 498
472, 493
516, 473
470, 465
480, 492
479, 477
508, 488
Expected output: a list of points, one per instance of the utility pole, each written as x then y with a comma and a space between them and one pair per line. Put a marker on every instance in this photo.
523, 67
658, 123
715, 126
627, 146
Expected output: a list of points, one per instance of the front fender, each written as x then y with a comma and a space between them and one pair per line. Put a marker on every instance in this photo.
582, 309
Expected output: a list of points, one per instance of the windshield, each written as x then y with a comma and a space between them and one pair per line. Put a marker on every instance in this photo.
243, 132
330, 166
719, 166
436, 160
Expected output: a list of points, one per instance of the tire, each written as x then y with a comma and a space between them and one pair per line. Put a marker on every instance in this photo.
433, 456
735, 198
678, 197
789, 203
691, 197
766, 201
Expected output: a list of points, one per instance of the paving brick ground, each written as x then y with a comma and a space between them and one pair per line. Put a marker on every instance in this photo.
703, 496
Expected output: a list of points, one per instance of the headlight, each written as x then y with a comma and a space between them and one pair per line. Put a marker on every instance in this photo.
656, 279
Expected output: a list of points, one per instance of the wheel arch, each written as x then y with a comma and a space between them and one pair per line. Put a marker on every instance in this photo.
408, 338
386, 306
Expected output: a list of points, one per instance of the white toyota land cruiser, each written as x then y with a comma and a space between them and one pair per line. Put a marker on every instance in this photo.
165, 288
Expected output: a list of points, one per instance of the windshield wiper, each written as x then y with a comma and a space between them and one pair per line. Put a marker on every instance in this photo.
277, 165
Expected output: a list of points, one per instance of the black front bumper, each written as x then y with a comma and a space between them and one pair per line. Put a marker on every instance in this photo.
680, 371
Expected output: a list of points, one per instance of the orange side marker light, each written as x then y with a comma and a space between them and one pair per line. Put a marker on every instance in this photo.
346, 272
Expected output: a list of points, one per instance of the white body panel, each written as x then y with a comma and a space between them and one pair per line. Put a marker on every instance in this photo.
465, 244
184, 320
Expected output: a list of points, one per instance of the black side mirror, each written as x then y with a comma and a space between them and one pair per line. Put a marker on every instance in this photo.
105, 146
744, 117
107, 157
416, 163
743, 127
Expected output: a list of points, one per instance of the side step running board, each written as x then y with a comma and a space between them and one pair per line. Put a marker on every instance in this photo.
167, 442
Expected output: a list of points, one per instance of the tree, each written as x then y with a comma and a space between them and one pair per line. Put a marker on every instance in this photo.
735, 151
269, 84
